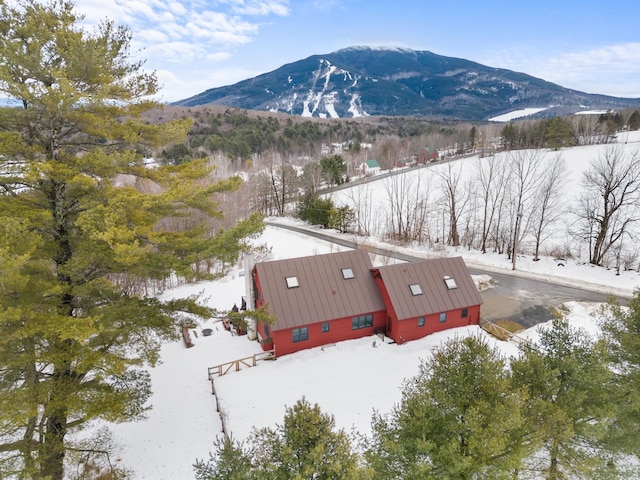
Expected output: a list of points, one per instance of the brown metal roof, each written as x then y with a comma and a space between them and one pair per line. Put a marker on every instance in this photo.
323, 294
430, 275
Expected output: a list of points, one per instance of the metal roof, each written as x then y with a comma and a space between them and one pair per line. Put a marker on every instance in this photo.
323, 293
431, 275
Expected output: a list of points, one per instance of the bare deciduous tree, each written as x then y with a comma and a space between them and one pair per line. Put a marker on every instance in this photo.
609, 204
408, 199
261, 194
284, 180
361, 200
547, 205
312, 177
525, 166
455, 199
492, 178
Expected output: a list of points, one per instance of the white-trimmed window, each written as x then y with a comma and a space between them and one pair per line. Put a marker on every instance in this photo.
347, 273
292, 281
450, 283
415, 289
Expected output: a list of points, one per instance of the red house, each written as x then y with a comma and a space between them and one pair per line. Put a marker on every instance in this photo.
318, 300
324, 299
426, 297
428, 154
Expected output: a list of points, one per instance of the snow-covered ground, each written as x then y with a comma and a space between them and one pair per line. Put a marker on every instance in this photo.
349, 380
525, 112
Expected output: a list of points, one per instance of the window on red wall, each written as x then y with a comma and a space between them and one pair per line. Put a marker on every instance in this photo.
300, 334
421, 321
362, 321
443, 317
465, 312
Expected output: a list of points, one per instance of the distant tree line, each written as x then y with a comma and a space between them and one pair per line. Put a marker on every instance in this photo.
566, 406
559, 132
241, 136
509, 203
512, 201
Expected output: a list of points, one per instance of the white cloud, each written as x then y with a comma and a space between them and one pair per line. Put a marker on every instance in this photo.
624, 57
152, 36
177, 8
187, 36
188, 82
219, 26
176, 51
259, 7
608, 70
218, 56
326, 6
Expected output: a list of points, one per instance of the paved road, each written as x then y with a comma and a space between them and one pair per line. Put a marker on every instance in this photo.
522, 300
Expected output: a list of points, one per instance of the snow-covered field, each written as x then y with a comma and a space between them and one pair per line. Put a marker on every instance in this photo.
349, 380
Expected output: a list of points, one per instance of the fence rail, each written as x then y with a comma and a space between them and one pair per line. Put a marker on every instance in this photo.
236, 365
225, 368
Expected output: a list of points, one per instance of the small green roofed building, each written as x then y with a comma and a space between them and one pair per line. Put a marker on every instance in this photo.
368, 168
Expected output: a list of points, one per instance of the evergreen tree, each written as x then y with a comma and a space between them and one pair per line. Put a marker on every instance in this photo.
305, 446
558, 133
230, 461
621, 329
569, 386
342, 218
177, 154
458, 418
81, 240
634, 121
315, 210
334, 169
473, 136
509, 137
612, 122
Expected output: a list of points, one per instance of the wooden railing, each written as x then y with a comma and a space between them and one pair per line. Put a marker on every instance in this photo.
251, 361
225, 368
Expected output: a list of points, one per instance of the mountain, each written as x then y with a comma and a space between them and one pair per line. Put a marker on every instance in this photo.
361, 81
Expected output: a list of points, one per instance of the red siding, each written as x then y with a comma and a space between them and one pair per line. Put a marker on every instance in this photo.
407, 330
385, 311
339, 330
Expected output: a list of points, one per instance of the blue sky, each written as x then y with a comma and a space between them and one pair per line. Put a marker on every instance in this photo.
193, 45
